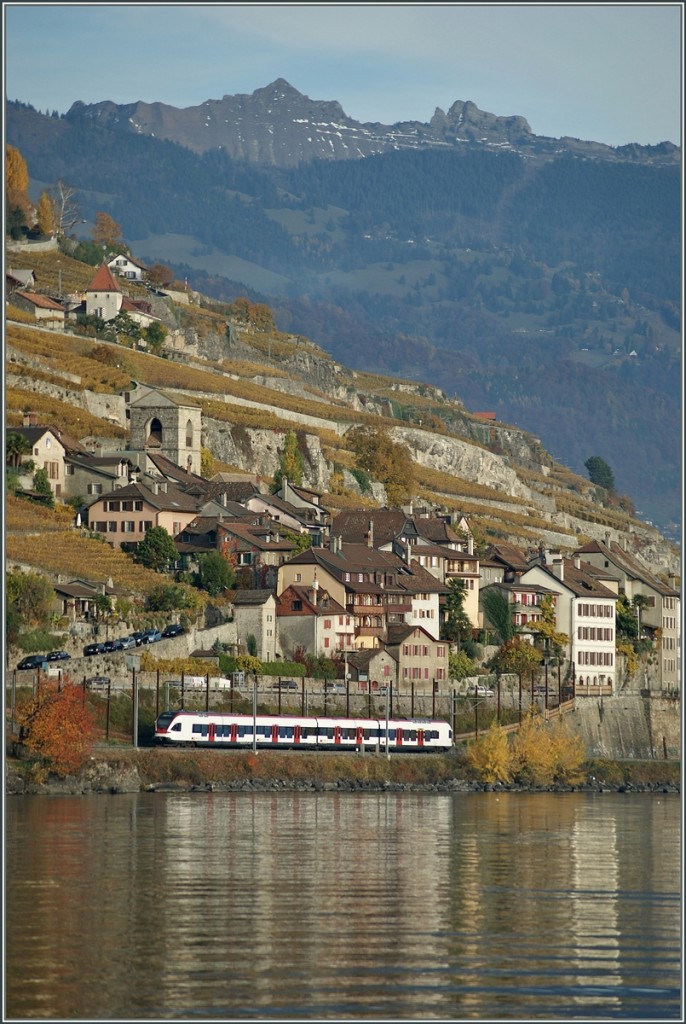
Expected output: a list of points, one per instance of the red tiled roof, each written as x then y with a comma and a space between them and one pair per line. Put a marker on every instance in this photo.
41, 300
103, 281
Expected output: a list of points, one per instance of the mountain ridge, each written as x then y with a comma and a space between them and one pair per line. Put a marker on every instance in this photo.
278, 125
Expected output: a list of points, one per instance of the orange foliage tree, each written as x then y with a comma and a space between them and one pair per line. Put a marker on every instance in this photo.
56, 725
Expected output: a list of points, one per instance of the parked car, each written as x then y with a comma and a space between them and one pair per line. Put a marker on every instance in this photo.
98, 682
285, 684
127, 642
151, 636
91, 649
173, 629
34, 661
111, 645
58, 656
481, 691
138, 637
332, 687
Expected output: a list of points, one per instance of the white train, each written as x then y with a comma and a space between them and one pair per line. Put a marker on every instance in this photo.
197, 728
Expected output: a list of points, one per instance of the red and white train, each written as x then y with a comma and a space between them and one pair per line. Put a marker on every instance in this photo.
197, 728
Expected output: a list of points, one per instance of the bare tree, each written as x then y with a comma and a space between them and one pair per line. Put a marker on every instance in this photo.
66, 211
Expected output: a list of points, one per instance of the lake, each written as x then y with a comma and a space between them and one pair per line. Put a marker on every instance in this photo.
263, 906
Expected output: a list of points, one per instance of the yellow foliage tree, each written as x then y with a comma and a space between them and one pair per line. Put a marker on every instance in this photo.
16, 170
543, 754
45, 214
489, 756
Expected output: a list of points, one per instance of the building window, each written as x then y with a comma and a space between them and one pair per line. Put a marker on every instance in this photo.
68, 470
298, 577
327, 642
95, 488
112, 526
128, 526
112, 506
138, 506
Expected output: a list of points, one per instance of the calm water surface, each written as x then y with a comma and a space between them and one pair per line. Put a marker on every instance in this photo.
343, 906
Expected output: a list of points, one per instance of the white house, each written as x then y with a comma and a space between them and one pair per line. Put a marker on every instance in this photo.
585, 610
128, 267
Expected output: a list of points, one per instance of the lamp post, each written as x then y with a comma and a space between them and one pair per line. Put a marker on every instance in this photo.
254, 713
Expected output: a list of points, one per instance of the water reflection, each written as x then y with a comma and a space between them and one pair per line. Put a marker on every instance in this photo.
342, 905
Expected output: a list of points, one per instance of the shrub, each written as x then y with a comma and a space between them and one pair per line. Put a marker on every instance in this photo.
489, 756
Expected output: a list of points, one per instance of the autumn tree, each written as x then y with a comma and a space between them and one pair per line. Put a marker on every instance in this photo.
57, 726
385, 459
45, 214
516, 655
207, 463
19, 209
547, 637
291, 465
106, 231
159, 274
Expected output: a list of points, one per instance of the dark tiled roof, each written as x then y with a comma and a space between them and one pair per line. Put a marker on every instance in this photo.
631, 566
250, 597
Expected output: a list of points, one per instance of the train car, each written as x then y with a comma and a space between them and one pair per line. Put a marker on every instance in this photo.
197, 728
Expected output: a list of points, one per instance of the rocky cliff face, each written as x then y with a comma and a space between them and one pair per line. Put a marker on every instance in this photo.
280, 126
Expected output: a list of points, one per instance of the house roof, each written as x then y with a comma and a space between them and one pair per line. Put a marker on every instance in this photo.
259, 537
398, 632
156, 396
509, 555
628, 564
579, 579
131, 259
250, 597
103, 281
174, 499
303, 594
34, 434
42, 301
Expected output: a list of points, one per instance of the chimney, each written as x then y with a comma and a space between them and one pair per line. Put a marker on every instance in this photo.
224, 499
558, 567
577, 562
370, 534
608, 539
30, 419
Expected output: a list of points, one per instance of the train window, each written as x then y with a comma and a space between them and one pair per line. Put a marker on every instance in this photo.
411, 735
176, 728
244, 731
328, 733
201, 729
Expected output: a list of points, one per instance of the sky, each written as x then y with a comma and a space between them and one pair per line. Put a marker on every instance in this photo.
607, 73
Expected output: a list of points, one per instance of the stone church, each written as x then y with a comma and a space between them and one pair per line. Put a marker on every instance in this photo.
164, 425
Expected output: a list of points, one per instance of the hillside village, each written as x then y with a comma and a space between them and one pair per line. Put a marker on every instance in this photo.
150, 406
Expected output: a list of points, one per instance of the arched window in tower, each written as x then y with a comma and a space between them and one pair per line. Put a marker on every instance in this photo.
189, 434
155, 433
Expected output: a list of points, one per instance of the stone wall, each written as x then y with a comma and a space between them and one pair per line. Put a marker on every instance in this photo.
629, 727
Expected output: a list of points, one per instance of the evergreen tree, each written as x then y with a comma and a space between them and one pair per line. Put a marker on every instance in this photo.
157, 549
599, 473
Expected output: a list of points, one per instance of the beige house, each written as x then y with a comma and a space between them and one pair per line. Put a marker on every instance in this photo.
47, 311
422, 660
123, 515
309, 618
47, 452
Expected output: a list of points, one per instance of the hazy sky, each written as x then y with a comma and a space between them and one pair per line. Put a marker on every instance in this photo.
603, 72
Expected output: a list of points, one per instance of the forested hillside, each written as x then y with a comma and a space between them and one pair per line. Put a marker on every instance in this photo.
546, 290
